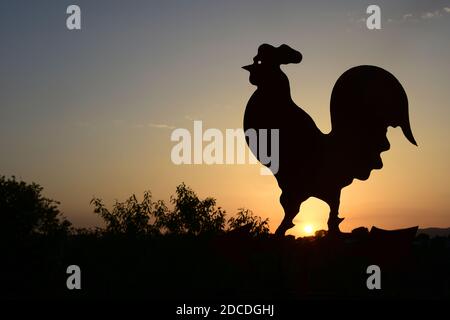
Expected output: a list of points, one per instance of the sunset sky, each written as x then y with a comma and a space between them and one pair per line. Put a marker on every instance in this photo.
90, 112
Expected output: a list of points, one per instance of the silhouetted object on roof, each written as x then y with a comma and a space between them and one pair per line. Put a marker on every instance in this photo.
365, 101
403, 235
391, 248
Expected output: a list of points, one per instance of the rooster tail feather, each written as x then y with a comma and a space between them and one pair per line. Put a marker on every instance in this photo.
406, 128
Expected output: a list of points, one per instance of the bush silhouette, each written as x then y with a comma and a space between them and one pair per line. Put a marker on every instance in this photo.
246, 219
191, 215
26, 212
130, 217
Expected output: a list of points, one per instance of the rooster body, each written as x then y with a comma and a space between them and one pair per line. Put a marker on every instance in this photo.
311, 163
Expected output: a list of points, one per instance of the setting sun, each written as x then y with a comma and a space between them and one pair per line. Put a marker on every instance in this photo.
308, 229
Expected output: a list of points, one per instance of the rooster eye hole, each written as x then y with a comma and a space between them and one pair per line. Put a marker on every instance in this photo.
258, 62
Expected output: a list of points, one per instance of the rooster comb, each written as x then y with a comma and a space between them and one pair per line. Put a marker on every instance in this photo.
278, 55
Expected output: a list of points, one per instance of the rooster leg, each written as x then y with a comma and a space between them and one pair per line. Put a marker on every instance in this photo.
334, 220
291, 205
284, 226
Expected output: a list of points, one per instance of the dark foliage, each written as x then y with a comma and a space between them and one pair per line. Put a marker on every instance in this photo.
148, 250
245, 218
25, 212
130, 217
189, 215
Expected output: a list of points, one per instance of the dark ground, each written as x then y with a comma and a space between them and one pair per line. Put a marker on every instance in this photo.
229, 266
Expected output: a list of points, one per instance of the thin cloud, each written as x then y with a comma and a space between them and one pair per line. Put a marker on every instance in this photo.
431, 15
407, 16
160, 126
428, 15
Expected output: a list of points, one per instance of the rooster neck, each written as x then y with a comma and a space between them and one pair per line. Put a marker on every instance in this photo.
275, 85
271, 104
273, 93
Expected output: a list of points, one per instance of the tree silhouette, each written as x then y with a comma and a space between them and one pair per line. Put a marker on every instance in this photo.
191, 215
245, 218
130, 217
26, 212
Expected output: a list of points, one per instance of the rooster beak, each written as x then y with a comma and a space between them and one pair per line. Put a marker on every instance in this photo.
248, 68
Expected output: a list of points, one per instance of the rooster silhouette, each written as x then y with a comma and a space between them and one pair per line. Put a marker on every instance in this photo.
365, 101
